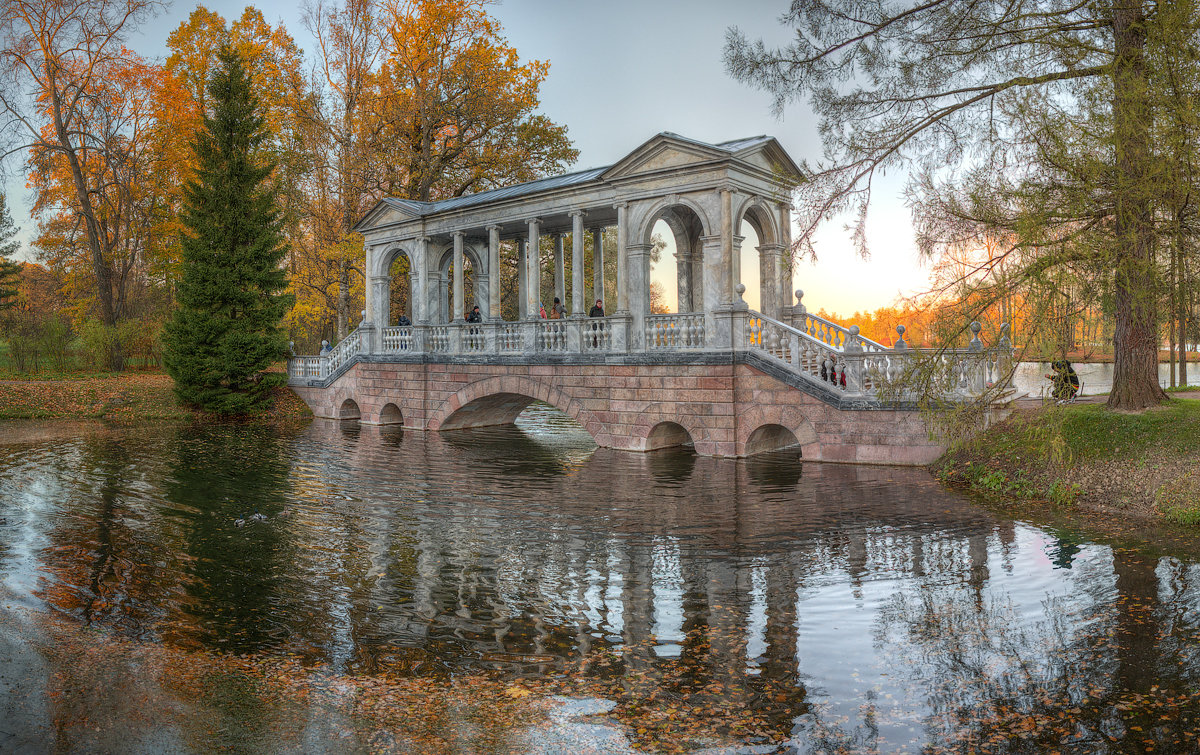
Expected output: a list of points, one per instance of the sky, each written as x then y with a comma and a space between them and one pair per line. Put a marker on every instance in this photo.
622, 71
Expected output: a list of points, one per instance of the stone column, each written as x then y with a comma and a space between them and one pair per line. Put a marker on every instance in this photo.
785, 244
577, 306
422, 312
730, 257
459, 308
379, 300
560, 271
770, 261
638, 287
683, 277
493, 272
521, 265
414, 287
622, 262
369, 293
714, 286
443, 299
597, 265
532, 273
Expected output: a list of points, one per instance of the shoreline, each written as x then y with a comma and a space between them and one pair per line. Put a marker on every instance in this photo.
1079, 458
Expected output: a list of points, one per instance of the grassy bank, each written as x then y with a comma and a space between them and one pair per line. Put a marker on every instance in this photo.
1145, 465
125, 396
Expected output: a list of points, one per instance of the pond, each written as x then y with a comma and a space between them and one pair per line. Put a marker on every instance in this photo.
763, 605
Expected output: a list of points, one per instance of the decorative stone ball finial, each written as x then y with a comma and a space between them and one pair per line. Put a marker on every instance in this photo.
799, 296
740, 288
901, 344
854, 330
976, 344
900, 329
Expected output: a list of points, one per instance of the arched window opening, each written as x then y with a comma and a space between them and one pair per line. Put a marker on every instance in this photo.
400, 290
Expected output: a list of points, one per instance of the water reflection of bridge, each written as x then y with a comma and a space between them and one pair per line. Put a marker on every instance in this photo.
424, 553
731, 380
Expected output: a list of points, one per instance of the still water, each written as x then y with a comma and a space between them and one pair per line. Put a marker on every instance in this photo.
845, 608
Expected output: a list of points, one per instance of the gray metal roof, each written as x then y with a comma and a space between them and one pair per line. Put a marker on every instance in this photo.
553, 182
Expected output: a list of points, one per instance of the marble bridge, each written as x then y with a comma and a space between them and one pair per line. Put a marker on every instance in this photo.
731, 380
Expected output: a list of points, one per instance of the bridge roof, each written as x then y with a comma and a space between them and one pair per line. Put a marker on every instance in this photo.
727, 149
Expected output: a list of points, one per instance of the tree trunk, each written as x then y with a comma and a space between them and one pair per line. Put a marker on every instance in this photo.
1135, 338
1182, 301
1171, 294
343, 301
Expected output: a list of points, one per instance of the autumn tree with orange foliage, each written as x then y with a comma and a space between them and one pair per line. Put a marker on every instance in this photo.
69, 56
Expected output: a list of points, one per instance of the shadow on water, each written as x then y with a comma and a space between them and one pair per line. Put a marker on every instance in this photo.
838, 606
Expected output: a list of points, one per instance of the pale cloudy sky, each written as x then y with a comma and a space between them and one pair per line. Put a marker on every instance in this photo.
624, 70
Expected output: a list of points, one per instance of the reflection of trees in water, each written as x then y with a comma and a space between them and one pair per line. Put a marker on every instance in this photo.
219, 478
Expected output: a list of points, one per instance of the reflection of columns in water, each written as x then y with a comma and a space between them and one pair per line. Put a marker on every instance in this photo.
638, 598
1137, 606
782, 629
977, 551
725, 622
668, 592
856, 559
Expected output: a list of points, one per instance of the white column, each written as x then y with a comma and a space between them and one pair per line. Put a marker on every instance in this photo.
577, 306
597, 264
683, 276
622, 262
730, 257
459, 307
369, 295
521, 265
784, 281
422, 312
533, 275
379, 300
493, 272
560, 271
769, 262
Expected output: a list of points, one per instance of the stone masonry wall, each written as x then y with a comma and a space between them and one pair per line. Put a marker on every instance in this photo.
725, 408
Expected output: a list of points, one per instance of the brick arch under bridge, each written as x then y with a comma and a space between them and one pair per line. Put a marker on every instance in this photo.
725, 409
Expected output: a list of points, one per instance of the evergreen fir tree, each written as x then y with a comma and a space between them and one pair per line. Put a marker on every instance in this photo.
231, 294
10, 272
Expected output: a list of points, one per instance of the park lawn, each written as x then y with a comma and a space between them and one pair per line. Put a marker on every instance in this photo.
129, 396
1144, 464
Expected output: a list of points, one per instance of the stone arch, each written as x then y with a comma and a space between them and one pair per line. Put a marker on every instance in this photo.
498, 400
348, 409
473, 260
657, 414
757, 212
767, 438
386, 258
652, 214
751, 434
390, 414
688, 223
668, 434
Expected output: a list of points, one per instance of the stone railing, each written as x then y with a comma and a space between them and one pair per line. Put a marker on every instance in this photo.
398, 339
881, 373
308, 368
552, 335
675, 332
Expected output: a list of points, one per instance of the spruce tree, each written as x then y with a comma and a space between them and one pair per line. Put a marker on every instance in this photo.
10, 272
226, 331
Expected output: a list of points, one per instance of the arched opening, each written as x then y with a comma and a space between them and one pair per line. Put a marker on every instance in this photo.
400, 288
762, 263
751, 267
391, 415
770, 438
668, 435
676, 279
349, 410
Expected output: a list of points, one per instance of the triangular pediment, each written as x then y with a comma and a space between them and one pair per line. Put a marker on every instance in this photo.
385, 212
769, 155
664, 152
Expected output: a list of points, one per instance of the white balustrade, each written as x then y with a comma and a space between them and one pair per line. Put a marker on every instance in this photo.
597, 334
398, 338
473, 340
675, 332
439, 338
552, 335
835, 335
508, 338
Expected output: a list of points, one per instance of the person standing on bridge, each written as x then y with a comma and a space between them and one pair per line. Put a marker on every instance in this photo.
557, 310
541, 310
475, 315
597, 310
